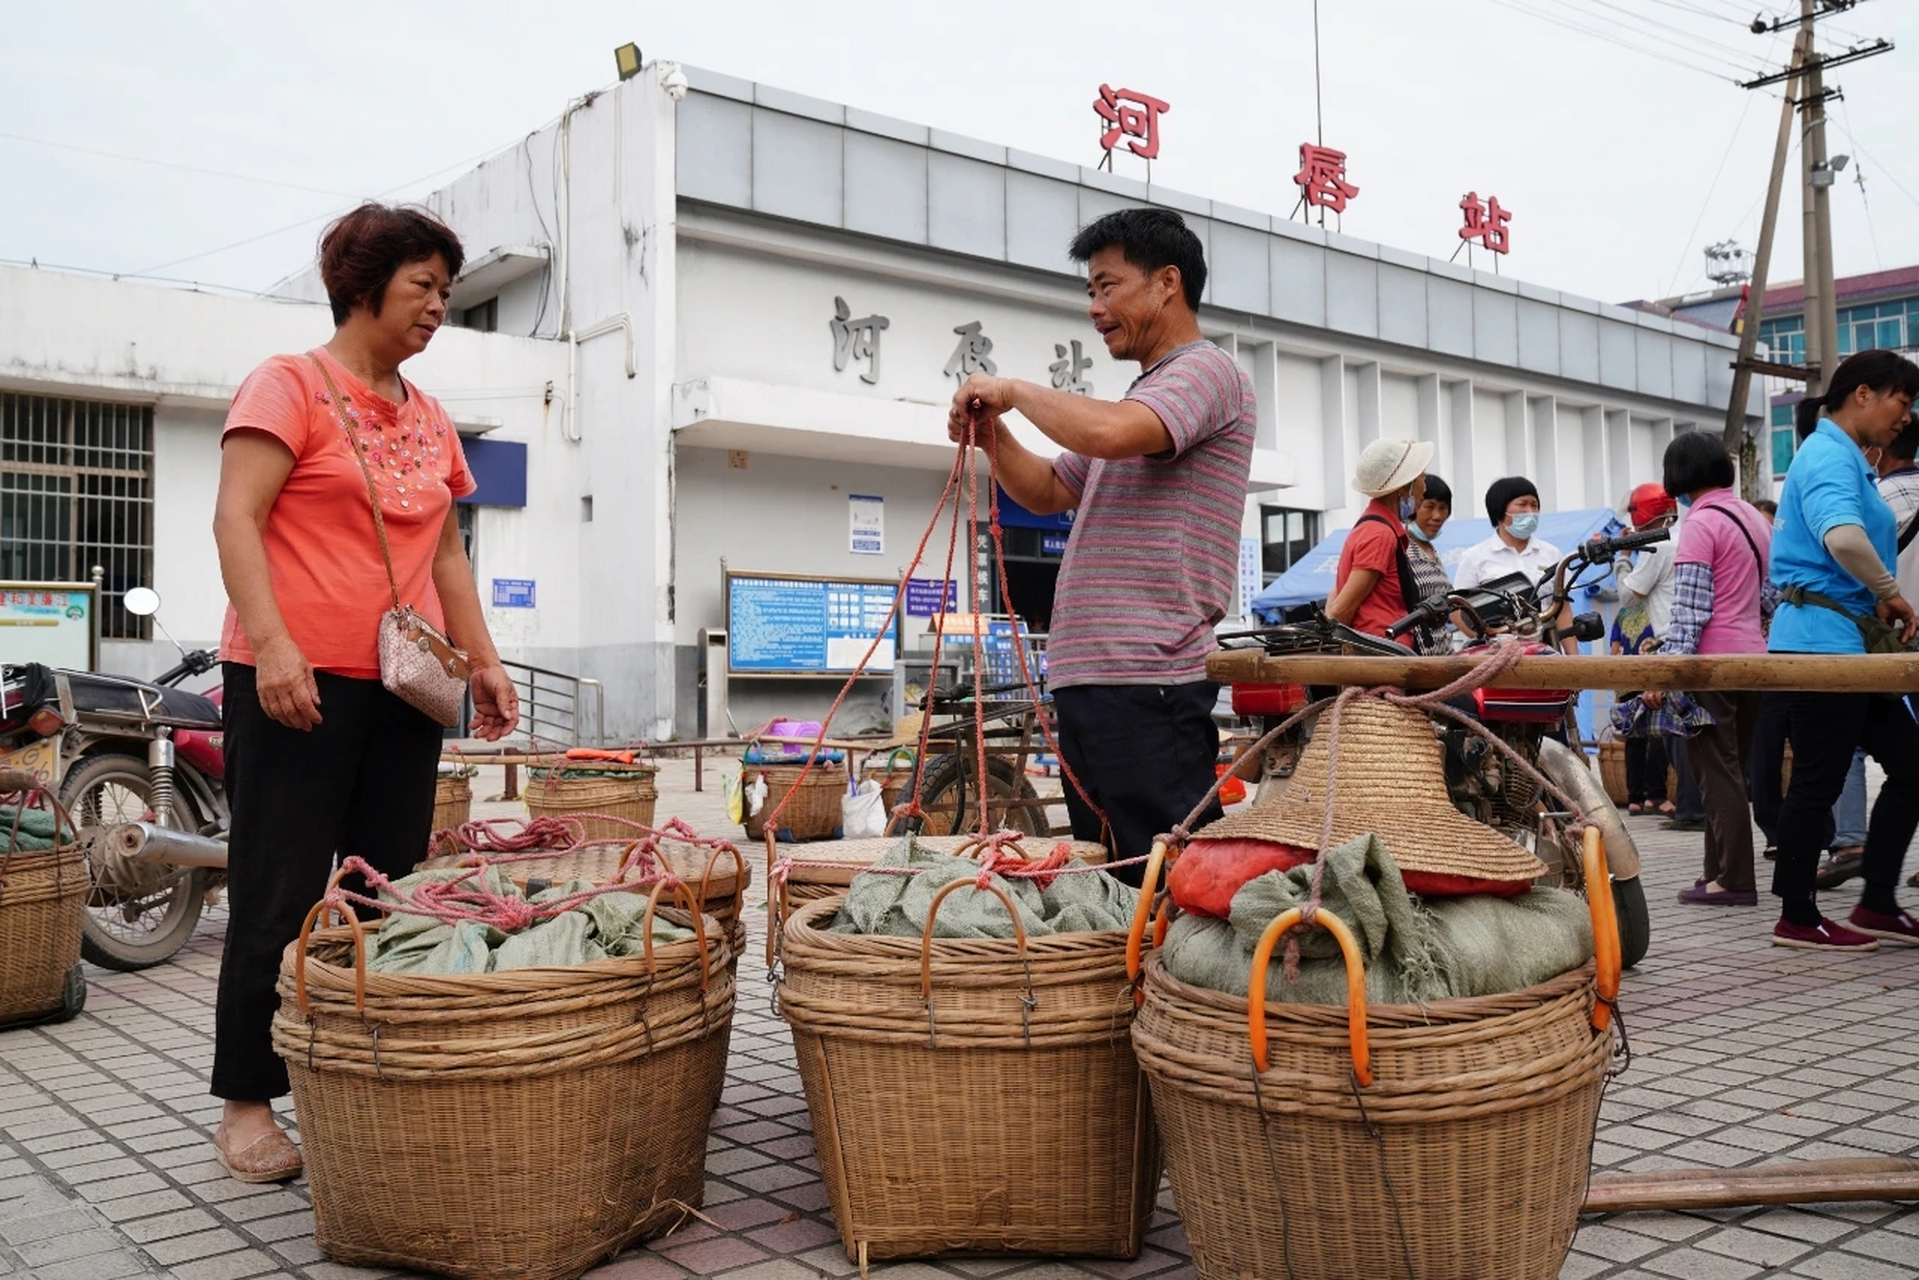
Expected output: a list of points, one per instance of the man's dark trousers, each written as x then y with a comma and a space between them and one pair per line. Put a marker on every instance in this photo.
1145, 754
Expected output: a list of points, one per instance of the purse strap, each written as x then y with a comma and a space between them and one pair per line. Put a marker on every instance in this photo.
372, 495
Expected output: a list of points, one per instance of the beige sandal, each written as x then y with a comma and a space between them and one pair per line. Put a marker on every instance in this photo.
271, 1157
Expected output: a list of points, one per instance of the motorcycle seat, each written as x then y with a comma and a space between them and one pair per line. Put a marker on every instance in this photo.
136, 700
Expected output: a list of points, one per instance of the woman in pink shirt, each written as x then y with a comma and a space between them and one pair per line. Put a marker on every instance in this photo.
1719, 580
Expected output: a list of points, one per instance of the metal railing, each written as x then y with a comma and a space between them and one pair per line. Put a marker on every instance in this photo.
551, 705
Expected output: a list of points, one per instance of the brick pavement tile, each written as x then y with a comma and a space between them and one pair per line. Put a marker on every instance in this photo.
710, 1257
286, 1227
227, 1266
1835, 1265
82, 1137
751, 1211
1640, 1137
222, 1189
793, 1237
1797, 1126
776, 1269
300, 1251
1759, 1247
45, 1225
1707, 1152
772, 1177
735, 1160
129, 1184
1762, 1141
808, 1196
1689, 1263
1580, 1266
1885, 1246
71, 1244
201, 1244
101, 1266
1673, 1122
179, 1222
641, 1265
262, 1203
85, 1153
181, 1140
720, 1193
144, 1205
1609, 1242
829, 1261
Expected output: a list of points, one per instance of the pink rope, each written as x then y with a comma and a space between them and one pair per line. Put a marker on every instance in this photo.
468, 897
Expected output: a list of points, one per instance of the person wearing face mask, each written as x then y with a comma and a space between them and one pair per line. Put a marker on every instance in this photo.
1831, 555
1512, 504
1376, 586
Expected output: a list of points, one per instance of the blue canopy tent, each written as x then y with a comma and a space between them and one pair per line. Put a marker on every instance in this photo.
1311, 579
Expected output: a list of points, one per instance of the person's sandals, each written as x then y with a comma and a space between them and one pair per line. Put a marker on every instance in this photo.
1635, 808
1667, 808
271, 1157
1842, 866
1708, 893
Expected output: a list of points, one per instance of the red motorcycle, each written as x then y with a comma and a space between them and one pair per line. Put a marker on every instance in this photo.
138, 764
1535, 723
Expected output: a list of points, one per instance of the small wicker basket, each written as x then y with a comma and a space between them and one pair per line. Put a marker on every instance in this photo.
972, 1094
812, 814
563, 790
43, 902
525, 1123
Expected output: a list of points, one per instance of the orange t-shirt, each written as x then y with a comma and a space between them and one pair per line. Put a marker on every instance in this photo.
322, 552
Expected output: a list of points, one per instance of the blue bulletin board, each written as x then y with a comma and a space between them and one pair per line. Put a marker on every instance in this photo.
786, 625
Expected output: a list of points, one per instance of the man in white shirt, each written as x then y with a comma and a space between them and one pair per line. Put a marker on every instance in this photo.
1512, 504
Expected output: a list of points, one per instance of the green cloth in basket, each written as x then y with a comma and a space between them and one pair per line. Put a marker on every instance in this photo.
36, 829
895, 905
1416, 949
610, 924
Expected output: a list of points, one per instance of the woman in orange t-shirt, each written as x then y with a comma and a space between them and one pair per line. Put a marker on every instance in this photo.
321, 760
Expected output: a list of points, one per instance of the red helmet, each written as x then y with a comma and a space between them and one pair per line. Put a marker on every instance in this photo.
1648, 502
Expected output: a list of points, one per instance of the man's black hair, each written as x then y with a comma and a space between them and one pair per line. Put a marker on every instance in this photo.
1500, 495
1438, 490
1149, 239
1697, 460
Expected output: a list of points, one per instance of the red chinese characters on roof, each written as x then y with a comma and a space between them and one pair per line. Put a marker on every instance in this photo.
1322, 178
1129, 114
1486, 222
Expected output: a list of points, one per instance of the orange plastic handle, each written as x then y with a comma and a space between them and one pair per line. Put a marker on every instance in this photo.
693, 909
1136, 936
1606, 953
352, 920
1355, 987
933, 910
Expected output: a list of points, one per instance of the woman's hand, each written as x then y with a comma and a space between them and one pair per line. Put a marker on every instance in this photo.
284, 680
1896, 610
1652, 698
496, 703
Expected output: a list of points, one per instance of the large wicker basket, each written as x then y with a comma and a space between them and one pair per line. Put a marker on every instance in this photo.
1449, 1142
452, 801
43, 900
971, 1094
607, 790
1612, 769
525, 1123
812, 814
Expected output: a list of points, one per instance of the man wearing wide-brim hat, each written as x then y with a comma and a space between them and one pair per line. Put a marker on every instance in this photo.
1375, 586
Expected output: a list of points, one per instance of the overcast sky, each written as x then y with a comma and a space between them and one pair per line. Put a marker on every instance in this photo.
279, 115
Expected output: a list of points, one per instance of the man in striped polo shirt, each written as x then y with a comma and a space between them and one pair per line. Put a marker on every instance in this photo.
1159, 482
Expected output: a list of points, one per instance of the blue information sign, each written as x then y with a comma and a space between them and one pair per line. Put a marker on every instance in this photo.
1052, 544
924, 599
512, 593
806, 626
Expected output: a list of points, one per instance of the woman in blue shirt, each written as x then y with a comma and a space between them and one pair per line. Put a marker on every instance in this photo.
1832, 555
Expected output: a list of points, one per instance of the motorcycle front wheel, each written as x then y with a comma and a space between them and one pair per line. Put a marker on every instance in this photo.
1635, 925
138, 914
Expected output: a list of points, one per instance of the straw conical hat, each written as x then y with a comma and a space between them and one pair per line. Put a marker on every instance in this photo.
1391, 781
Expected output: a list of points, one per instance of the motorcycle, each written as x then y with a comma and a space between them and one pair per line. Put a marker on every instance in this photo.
1481, 782
138, 765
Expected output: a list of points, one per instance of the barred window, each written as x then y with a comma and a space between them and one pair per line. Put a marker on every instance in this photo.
76, 490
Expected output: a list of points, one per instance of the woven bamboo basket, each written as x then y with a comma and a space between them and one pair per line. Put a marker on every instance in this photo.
43, 900
452, 801
813, 814
1612, 769
526, 1123
971, 1095
1450, 1141
613, 791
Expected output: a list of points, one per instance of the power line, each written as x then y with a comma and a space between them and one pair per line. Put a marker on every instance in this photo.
1608, 38
167, 164
34, 264
1704, 46
1711, 189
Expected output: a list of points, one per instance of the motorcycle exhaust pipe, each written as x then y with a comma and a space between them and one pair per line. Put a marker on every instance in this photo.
145, 842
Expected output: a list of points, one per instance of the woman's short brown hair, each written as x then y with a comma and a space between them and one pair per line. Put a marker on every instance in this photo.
360, 253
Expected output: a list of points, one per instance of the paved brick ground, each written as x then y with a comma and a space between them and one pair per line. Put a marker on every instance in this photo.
1743, 1053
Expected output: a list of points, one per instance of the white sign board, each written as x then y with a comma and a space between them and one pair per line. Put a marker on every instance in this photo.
867, 519
48, 622
1249, 575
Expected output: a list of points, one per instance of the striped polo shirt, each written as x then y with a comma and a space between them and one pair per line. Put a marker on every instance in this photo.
1153, 560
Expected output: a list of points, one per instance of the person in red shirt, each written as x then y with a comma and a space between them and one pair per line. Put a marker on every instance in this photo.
1375, 586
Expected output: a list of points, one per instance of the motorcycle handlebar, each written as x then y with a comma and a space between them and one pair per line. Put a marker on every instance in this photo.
1600, 549
1429, 611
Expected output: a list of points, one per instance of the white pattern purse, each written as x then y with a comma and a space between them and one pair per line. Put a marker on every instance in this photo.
419, 664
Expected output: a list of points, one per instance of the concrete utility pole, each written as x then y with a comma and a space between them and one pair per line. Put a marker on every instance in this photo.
1807, 72
1741, 443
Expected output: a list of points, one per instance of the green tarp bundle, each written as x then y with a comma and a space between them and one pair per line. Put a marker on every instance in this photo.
611, 924
895, 905
1416, 949
36, 830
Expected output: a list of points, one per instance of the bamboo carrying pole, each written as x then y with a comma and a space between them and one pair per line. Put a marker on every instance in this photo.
1788, 1182
1818, 673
